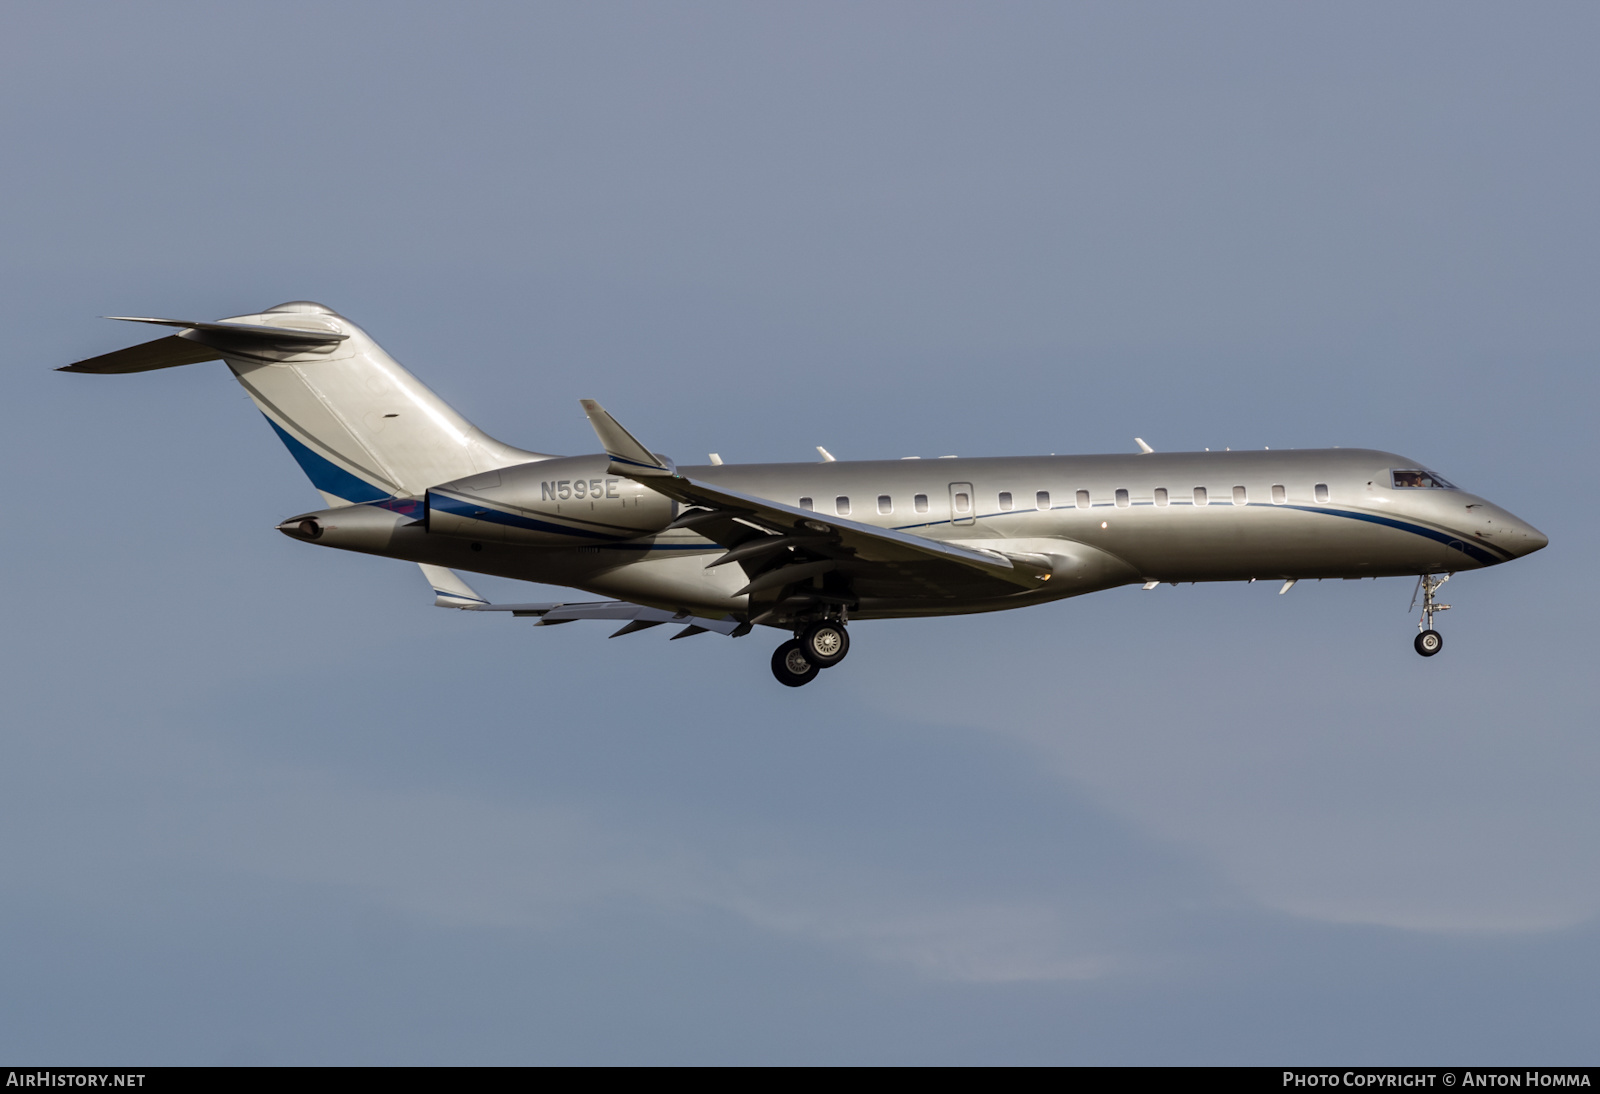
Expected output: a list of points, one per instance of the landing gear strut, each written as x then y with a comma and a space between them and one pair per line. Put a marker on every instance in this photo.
1429, 641
819, 645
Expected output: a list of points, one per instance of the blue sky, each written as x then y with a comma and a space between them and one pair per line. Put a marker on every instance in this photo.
261, 803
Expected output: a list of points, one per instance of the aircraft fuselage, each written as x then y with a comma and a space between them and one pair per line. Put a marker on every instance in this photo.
1169, 517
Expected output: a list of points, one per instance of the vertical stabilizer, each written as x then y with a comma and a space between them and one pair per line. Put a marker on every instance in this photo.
361, 427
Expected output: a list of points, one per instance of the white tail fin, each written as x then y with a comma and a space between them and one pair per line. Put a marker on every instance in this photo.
361, 427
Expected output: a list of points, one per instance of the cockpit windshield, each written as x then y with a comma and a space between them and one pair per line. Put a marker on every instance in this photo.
1419, 479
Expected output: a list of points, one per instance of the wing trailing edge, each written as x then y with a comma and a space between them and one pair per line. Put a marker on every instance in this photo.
451, 591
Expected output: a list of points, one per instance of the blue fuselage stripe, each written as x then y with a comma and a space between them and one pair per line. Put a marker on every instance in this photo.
1471, 550
1489, 557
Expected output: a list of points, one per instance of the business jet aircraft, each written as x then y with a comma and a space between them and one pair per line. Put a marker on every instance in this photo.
806, 548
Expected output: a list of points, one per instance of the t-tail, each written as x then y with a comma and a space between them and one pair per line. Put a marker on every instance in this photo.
361, 427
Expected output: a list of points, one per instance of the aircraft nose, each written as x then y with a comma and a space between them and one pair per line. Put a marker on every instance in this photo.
1533, 539
1503, 530
1521, 538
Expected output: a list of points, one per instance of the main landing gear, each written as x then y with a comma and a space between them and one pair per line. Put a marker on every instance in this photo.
1429, 641
817, 646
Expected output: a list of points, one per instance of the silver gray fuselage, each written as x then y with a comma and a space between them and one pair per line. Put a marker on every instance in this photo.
1324, 513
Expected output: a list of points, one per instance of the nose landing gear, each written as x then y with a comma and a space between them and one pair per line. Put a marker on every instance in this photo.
820, 645
1428, 641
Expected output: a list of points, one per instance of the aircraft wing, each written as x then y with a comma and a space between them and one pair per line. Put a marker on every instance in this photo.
835, 535
450, 591
803, 543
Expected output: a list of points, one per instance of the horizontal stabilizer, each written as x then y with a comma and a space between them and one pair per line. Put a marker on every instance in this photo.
243, 330
147, 357
198, 342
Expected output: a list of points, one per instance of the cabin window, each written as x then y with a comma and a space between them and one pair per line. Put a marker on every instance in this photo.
1239, 495
885, 504
1041, 500
1279, 494
920, 503
1161, 496
1005, 500
841, 505
806, 503
1322, 493
1418, 480
1083, 499
1122, 499
1199, 495
963, 501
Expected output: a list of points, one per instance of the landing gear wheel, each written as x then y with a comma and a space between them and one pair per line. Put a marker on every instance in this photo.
1429, 642
825, 644
790, 665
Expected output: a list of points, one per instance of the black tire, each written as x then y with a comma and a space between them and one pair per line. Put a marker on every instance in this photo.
1429, 643
785, 661
825, 644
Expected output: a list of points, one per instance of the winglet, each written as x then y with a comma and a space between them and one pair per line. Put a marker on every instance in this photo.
448, 588
628, 456
1146, 449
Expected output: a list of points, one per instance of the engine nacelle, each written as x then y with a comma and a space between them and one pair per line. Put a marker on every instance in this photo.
571, 501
